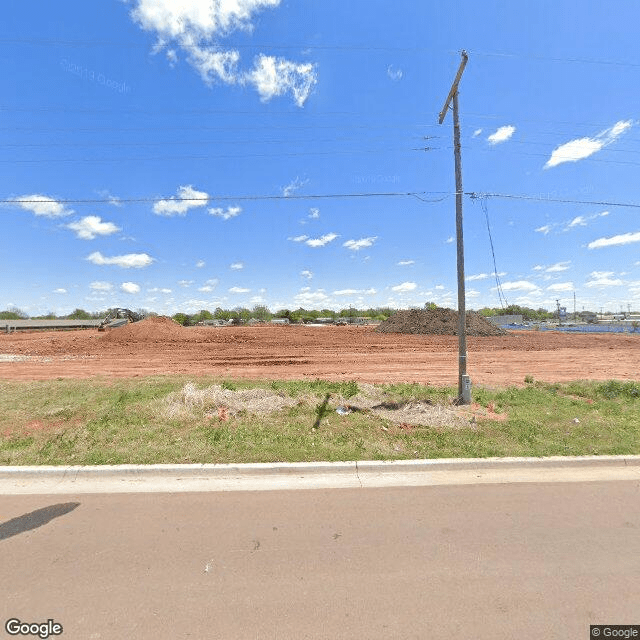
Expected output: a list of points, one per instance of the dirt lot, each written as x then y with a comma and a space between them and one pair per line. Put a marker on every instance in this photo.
335, 353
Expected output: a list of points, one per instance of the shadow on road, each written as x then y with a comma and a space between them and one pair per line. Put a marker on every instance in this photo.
35, 519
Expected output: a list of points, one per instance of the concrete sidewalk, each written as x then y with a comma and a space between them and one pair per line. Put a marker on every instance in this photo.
313, 475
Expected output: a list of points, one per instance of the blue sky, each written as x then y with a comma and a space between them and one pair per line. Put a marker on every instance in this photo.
245, 108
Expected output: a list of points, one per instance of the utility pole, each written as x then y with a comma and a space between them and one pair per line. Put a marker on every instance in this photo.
464, 382
559, 320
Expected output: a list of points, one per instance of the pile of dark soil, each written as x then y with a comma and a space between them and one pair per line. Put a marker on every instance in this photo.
438, 322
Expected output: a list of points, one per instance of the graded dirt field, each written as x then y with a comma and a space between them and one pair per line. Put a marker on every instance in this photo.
159, 346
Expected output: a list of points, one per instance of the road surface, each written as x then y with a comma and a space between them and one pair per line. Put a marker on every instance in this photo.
536, 561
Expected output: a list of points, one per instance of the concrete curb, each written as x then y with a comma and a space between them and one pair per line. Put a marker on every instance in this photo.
130, 471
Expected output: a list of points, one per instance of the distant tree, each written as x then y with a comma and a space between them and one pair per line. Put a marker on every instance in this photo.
260, 312
283, 313
221, 314
181, 318
13, 313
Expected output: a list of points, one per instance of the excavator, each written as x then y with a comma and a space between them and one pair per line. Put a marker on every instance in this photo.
118, 318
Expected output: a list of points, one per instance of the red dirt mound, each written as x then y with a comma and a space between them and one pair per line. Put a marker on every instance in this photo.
439, 322
153, 329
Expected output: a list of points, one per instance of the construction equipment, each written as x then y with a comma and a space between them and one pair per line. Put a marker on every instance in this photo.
118, 318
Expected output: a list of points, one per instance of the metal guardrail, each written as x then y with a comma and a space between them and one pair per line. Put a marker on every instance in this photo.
8, 326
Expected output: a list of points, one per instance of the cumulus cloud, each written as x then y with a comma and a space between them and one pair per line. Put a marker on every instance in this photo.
622, 239
295, 185
405, 263
209, 285
100, 285
476, 133
314, 213
185, 283
273, 76
405, 286
602, 279
356, 245
198, 26
200, 264
582, 148
298, 238
561, 286
353, 292
308, 298
322, 240
558, 266
236, 266
239, 290
187, 198
43, 206
449, 240
60, 290
127, 261
90, 227
130, 287
159, 290
230, 212
501, 135
544, 229
306, 274
519, 285
394, 73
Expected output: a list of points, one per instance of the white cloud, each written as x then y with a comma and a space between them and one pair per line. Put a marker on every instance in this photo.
582, 148
130, 287
99, 285
405, 286
209, 285
311, 298
43, 206
353, 292
306, 274
393, 73
60, 290
476, 133
314, 213
159, 290
501, 135
231, 212
405, 263
439, 287
545, 229
273, 76
322, 240
185, 283
200, 264
295, 185
625, 238
449, 240
128, 261
603, 280
356, 245
538, 267
519, 285
236, 266
601, 274
478, 276
561, 286
559, 266
187, 198
198, 26
577, 221
298, 238
90, 227
238, 290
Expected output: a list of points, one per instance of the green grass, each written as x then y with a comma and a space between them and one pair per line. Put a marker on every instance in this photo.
92, 422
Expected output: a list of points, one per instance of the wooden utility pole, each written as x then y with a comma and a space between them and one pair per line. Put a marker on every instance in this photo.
464, 382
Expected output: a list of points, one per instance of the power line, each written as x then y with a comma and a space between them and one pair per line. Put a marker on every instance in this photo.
204, 157
511, 196
317, 196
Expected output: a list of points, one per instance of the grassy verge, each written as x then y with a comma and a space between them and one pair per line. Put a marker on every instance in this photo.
147, 420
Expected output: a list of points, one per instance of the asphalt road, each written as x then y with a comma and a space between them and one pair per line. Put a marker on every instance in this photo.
481, 562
